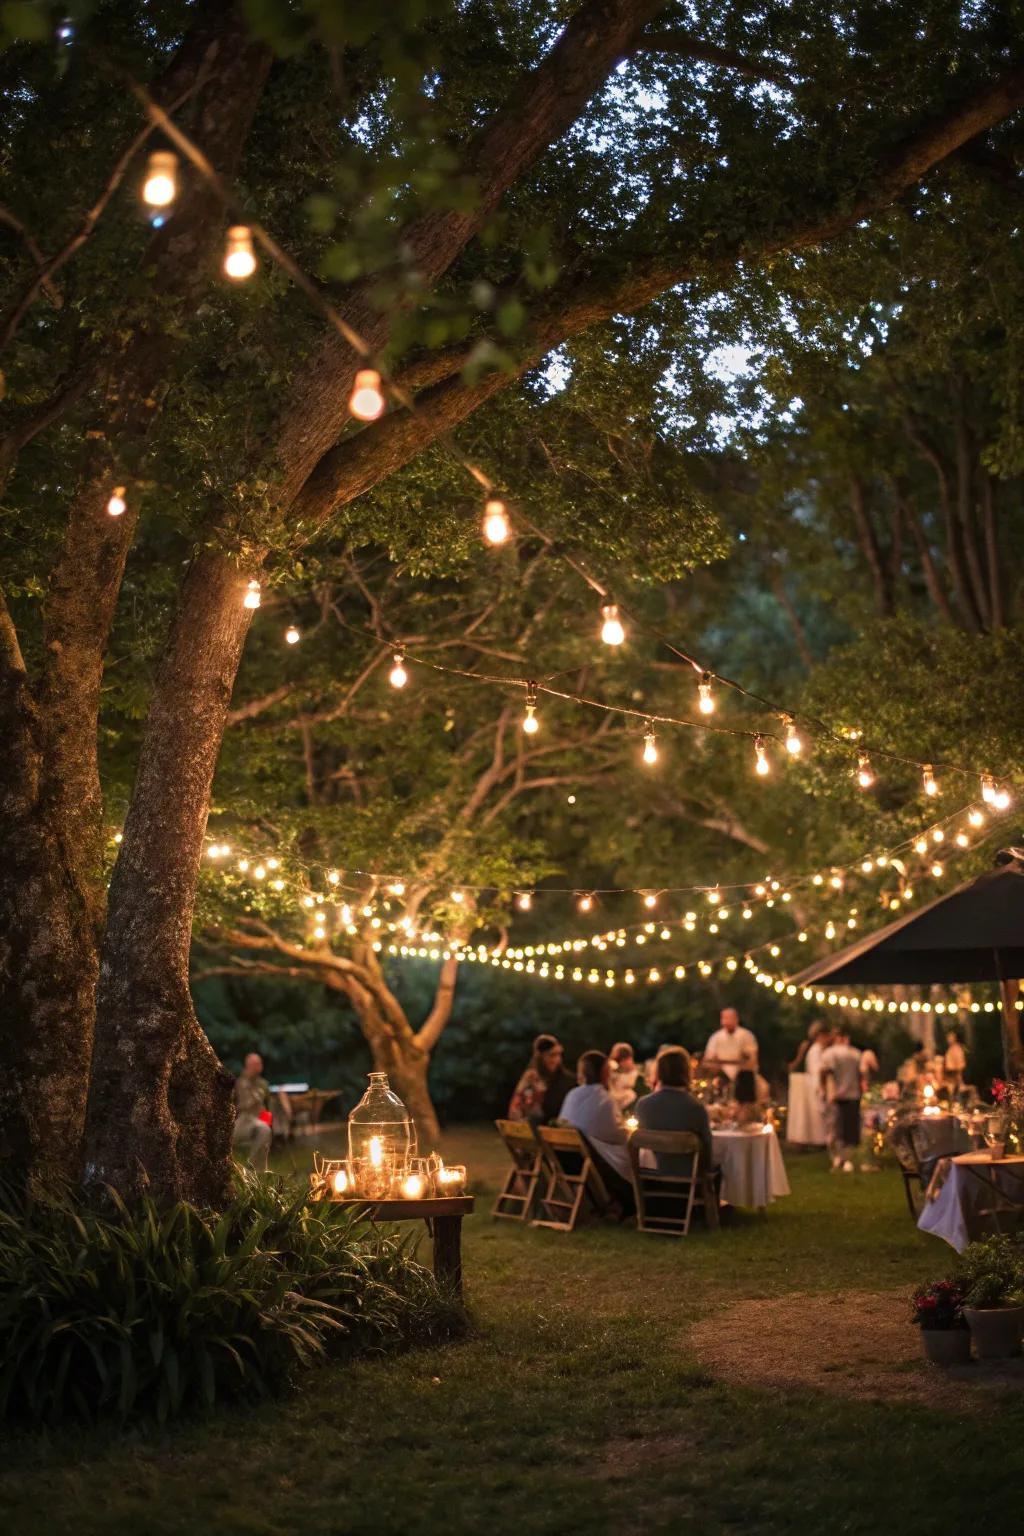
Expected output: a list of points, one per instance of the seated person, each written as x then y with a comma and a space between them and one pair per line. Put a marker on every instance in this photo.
672, 1107
590, 1108
539, 1092
252, 1133
623, 1084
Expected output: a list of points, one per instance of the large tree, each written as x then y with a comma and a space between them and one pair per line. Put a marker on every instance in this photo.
475, 188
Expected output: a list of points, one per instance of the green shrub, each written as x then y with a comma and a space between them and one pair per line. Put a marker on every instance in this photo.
991, 1272
144, 1310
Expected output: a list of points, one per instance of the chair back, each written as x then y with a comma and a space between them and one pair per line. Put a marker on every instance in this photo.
516, 1198
664, 1199
572, 1177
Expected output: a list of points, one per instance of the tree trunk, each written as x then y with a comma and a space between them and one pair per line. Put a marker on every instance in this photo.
870, 548
159, 1113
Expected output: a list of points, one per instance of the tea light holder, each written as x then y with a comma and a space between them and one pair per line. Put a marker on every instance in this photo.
451, 1180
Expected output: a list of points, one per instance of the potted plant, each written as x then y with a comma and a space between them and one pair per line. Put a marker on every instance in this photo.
991, 1273
938, 1311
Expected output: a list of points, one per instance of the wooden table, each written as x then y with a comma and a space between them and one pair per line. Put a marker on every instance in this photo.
443, 1216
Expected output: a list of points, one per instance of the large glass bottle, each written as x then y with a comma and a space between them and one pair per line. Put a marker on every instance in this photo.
380, 1139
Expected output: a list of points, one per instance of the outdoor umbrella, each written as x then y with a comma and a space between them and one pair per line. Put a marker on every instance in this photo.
975, 933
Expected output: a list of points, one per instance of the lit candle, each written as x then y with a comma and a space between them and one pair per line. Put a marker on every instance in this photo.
340, 1182
631, 1123
376, 1151
413, 1186
451, 1179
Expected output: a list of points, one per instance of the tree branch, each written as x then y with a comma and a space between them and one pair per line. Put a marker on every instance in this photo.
683, 44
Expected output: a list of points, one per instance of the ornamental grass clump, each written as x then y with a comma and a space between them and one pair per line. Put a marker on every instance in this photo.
144, 1310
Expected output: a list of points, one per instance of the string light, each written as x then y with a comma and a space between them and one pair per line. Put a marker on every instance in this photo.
650, 746
612, 632
531, 725
252, 595
928, 781
292, 635
865, 777
160, 187
117, 504
239, 256
761, 763
524, 901
496, 525
938, 870
794, 742
366, 400
650, 899
1002, 801
705, 702
975, 817
398, 676
585, 903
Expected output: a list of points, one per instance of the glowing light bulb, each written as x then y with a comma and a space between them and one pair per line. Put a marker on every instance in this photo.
239, 256
259, 873
937, 870
921, 846
117, 504
938, 836
715, 896
334, 876
928, 781
705, 702
292, 635
865, 777
650, 746
496, 525
457, 896
650, 900
252, 595
531, 725
524, 901
976, 817
962, 840
366, 400
585, 904
612, 632
761, 764
988, 789
397, 888
836, 882
160, 187
867, 866
398, 676
794, 742
1002, 801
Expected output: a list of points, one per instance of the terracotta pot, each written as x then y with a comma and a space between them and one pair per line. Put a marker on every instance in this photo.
996, 1331
946, 1346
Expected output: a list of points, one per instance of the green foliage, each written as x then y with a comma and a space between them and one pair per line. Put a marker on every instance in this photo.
991, 1272
148, 1311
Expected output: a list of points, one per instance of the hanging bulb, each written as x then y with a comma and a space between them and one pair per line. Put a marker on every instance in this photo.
366, 401
496, 526
612, 632
865, 777
292, 635
761, 764
531, 725
921, 845
457, 896
794, 742
252, 595
650, 747
938, 836
239, 256
962, 840
117, 504
988, 789
1002, 801
398, 676
650, 900
976, 817
585, 903
928, 781
715, 896
937, 870
705, 703
160, 187
524, 901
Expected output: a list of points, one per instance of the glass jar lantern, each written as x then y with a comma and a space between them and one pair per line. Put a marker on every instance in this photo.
381, 1140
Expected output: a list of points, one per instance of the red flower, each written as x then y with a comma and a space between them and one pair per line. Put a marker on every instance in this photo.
998, 1089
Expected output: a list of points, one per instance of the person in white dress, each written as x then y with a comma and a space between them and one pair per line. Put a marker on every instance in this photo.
817, 1118
730, 1047
805, 1121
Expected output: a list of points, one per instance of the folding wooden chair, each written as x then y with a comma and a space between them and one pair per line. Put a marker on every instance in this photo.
665, 1201
572, 1177
516, 1198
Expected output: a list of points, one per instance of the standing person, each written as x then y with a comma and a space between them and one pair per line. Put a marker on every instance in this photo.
954, 1064
805, 1122
624, 1075
841, 1081
590, 1108
817, 1128
730, 1047
253, 1133
540, 1091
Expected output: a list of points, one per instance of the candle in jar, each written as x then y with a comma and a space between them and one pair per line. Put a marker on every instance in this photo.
632, 1122
413, 1186
451, 1179
340, 1181
376, 1151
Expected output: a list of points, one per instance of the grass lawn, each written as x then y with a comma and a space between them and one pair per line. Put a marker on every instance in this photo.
576, 1403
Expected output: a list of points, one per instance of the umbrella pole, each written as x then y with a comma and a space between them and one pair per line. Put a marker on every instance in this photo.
1013, 1055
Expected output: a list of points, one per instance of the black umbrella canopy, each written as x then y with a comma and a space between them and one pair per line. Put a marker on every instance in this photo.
975, 933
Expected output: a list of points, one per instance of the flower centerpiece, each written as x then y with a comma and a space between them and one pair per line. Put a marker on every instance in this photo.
938, 1312
1008, 1097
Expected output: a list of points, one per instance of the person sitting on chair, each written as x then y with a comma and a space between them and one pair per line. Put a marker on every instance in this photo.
253, 1133
625, 1072
539, 1092
591, 1110
672, 1107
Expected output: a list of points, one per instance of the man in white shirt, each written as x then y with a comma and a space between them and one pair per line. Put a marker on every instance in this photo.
592, 1110
730, 1048
842, 1082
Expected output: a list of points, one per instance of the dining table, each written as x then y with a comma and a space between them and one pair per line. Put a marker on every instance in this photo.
969, 1194
753, 1172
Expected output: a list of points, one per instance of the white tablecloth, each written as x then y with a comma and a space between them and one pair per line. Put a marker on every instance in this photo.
753, 1172
805, 1117
953, 1214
